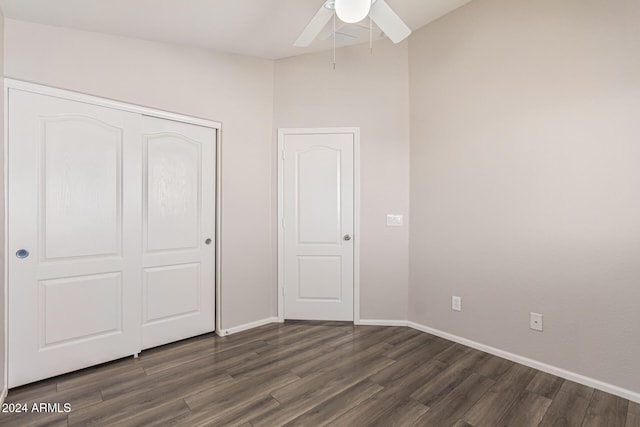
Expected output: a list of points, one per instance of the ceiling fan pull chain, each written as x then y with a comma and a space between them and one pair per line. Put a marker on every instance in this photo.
334, 40
370, 35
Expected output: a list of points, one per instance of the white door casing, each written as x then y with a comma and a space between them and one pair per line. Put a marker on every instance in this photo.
318, 228
115, 209
178, 231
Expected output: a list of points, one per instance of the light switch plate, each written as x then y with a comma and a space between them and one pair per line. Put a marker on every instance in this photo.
395, 220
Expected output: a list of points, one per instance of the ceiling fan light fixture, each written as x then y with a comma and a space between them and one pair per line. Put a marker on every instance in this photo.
352, 11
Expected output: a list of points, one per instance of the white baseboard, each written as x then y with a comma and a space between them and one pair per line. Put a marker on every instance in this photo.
247, 326
369, 322
559, 372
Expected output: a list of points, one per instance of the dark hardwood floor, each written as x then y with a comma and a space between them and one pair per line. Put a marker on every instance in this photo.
318, 373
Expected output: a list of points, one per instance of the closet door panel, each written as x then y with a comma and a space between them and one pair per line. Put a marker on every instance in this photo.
178, 230
74, 240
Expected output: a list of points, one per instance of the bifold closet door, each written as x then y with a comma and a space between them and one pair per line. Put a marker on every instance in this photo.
74, 246
178, 231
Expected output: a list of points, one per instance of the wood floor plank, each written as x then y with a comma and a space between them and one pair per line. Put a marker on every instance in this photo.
363, 334
32, 390
495, 403
344, 357
238, 392
457, 402
527, 411
606, 410
633, 415
294, 354
565, 410
326, 412
78, 398
545, 385
402, 334
317, 336
433, 347
332, 382
403, 387
156, 415
579, 389
399, 350
494, 367
294, 408
452, 353
449, 378
174, 359
311, 332
403, 367
239, 415
33, 419
112, 373
310, 391
195, 373
403, 413
366, 413
140, 399
275, 365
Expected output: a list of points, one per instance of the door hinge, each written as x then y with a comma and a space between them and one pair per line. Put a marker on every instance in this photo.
282, 222
283, 154
282, 291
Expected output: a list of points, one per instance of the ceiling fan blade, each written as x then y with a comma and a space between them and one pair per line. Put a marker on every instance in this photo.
389, 22
314, 27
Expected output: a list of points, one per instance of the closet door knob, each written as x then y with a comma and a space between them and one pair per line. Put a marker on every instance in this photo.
207, 242
347, 237
22, 253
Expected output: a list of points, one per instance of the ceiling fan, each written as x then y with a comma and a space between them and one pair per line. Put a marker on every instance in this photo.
352, 11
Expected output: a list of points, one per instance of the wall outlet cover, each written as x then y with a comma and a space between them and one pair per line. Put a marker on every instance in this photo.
456, 303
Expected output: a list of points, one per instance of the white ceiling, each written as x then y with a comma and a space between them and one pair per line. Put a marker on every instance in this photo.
259, 28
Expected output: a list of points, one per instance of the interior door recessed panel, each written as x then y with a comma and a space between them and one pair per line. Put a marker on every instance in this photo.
81, 187
170, 292
80, 308
318, 196
320, 278
172, 192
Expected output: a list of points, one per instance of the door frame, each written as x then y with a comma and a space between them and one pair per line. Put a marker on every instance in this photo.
355, 131
104, 102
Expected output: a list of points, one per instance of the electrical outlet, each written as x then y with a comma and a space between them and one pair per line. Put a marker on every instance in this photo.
535, 321
456, 303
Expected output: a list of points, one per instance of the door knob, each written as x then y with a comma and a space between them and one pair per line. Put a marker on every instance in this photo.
207, 242
22, 253
347, 237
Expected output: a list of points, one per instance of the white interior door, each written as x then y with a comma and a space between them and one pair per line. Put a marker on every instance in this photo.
178, 231
74, 186
318, 225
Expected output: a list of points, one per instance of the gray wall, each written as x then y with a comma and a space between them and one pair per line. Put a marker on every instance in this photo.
370, 92
236, 90
525, 172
